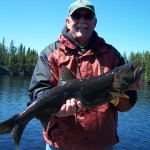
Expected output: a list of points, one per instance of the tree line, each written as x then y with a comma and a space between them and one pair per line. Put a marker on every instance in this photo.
17, 60
144, 58
20, 61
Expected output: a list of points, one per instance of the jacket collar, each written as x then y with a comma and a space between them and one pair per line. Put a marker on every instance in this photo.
69, 42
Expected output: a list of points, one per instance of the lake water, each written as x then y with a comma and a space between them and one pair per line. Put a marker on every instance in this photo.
133, 127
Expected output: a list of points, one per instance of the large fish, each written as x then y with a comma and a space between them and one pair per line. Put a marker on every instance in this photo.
91, 92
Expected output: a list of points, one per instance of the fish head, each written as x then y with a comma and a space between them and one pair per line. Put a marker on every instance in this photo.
126, 75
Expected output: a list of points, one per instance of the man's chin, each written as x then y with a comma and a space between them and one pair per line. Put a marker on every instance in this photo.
81, 34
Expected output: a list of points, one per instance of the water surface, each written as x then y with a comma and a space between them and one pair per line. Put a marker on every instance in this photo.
133, 126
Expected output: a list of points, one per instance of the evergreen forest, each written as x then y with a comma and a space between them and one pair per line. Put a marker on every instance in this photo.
18, 60
21, 61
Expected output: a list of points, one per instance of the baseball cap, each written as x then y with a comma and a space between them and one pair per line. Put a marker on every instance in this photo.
81, 4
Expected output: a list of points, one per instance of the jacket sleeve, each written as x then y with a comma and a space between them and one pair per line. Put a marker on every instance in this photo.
40, 81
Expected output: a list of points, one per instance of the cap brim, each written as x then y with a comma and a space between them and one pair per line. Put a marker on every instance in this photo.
81, 8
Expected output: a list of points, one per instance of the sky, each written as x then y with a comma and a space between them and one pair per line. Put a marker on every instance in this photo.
125, 24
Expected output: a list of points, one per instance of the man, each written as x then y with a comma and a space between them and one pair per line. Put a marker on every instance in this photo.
86, 54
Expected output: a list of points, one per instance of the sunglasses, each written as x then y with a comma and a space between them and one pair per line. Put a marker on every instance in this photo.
87, 16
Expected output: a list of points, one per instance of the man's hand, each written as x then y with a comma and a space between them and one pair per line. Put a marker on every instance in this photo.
69, 108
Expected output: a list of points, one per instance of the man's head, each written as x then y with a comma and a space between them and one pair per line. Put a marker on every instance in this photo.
81, 21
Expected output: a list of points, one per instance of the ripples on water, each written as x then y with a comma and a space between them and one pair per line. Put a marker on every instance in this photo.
13, 100
133, 126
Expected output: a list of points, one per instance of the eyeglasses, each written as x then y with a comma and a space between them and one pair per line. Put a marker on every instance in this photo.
87, 16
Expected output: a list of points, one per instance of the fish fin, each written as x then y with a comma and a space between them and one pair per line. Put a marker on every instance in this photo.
115, 101
118, 94
17, 132
13, 127
44, 119
7, 126
124, 96
66, 75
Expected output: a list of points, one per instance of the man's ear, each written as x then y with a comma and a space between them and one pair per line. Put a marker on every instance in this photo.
67, 22
95, 22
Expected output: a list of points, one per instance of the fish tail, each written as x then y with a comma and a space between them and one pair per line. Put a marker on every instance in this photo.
14, 127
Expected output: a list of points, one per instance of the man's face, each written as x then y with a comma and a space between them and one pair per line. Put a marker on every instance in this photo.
81, 25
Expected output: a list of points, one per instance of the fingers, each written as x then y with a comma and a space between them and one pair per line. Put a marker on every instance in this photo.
79, 106
69, 108
62, 110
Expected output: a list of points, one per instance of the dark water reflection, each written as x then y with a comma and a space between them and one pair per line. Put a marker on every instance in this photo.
133, 128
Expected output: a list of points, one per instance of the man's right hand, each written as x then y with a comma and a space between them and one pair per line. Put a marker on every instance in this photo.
69, 108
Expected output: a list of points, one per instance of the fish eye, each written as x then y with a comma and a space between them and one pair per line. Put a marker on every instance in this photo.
132, 68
